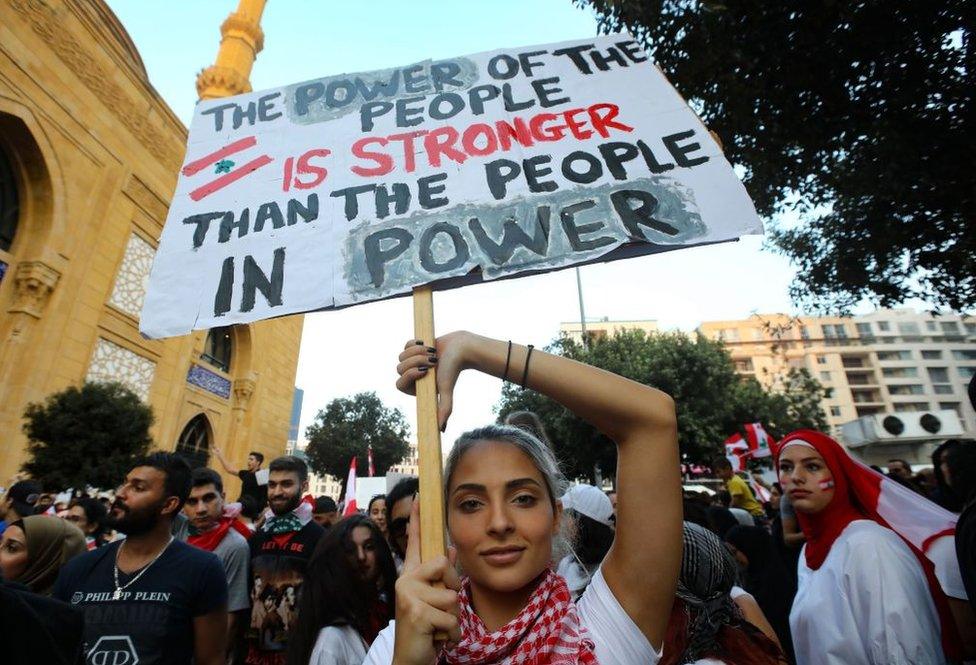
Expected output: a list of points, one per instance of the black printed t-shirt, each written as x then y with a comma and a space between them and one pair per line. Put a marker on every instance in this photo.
278, 564
250, 487
152, 622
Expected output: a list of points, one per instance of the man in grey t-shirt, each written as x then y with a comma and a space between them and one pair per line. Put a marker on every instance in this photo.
211, 530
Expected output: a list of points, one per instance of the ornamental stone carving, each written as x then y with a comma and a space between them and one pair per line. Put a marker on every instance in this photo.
222, 82
243, 390
34, 281
129, 290
46, 22
245, 28
111, 362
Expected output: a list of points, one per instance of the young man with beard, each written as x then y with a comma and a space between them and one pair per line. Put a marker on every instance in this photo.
149, 598
280, 551
224, 535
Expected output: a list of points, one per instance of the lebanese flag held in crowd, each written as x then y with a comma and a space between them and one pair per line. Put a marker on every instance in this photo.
735, 444
350, 508
736, 450
762, 494
738, 462
759, 440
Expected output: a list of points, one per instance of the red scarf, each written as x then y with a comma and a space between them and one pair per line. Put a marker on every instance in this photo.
857, 496
208, 540
546, 632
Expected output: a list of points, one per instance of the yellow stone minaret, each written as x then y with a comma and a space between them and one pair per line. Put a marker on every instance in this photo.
242, 40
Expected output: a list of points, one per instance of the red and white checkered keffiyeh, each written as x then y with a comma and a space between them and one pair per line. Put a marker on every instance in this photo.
546, 632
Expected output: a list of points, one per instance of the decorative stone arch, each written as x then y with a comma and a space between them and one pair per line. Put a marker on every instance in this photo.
195, 441
241, 361
41, 230
240, 354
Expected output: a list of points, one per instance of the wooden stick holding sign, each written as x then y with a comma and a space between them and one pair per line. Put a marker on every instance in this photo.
432, 537
432, 541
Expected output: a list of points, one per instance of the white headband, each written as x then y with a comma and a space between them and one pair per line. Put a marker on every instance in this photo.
796, 442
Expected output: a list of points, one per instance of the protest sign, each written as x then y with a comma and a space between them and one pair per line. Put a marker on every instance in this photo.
360, 187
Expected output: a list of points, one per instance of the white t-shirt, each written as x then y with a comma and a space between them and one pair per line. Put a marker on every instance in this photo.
867, 604
576, 576
338, 645
617, 639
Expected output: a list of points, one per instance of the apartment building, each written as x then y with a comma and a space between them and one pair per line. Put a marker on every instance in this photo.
599, 328
889, 361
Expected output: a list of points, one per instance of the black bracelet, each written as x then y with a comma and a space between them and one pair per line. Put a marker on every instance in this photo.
525, 373
508, 359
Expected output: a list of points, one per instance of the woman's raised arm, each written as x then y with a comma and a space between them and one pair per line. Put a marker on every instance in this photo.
642, 566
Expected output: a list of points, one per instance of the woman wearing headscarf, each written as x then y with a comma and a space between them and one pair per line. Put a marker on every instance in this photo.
765, 578
706, 626
34, 549
877, 566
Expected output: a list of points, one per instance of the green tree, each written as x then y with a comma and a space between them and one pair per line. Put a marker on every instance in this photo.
856, 115
86, 436
712, 400
347, 426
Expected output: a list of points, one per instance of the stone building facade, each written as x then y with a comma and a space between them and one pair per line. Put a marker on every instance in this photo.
89, 155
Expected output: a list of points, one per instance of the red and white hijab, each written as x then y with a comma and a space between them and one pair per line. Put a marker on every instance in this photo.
861, 493
546, 632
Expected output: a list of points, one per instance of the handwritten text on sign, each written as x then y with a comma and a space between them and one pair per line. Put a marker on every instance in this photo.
359, 187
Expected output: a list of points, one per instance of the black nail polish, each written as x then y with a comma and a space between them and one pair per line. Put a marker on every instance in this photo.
419, 342
422, 370
432, 359
432, 349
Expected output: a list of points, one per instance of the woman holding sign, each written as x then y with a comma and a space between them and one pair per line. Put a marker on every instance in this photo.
504, 522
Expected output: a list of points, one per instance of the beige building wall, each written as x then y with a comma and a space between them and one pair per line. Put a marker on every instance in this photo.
604, 327
894, 360
889, 361
94, 152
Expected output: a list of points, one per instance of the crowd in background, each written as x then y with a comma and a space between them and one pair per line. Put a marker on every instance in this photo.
166, 567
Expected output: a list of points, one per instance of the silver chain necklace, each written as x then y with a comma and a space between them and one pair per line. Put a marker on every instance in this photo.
117, 595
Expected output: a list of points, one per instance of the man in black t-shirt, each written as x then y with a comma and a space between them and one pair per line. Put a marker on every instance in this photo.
149, 599
254, 479
280, 551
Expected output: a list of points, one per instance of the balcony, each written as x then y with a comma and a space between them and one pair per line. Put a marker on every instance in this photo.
868, 410
870, 396
866, 378
854, 362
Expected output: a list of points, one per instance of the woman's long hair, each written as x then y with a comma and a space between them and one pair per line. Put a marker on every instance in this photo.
334, 593
737, 642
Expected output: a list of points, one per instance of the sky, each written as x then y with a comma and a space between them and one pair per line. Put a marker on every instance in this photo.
355, 349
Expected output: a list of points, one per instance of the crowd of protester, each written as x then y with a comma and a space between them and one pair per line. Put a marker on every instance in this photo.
844, 563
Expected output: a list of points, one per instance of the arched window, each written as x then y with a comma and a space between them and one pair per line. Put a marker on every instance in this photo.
9, 204
218, 348
194, 442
